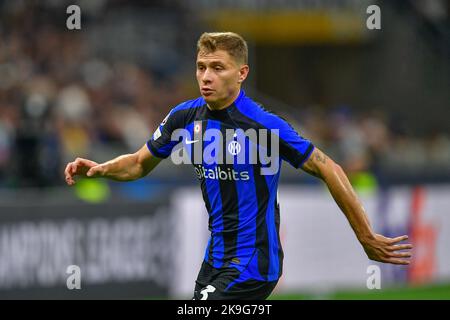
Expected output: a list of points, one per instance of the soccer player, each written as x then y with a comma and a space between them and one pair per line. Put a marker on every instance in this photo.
244, 257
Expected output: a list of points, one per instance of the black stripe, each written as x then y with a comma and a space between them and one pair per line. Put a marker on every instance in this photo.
206, 198
262, 236
210, 251
280, 248
205, 195
299, 159
185, 116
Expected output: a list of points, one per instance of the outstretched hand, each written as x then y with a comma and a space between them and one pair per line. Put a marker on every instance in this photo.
388, 250
81, 167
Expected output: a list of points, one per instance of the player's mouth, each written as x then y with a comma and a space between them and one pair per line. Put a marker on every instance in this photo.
206, 91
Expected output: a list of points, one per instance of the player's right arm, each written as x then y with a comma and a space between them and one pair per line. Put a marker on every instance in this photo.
130, 167
123, 168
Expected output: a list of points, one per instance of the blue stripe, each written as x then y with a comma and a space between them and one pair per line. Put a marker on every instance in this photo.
215, 200
153, 151
206, 256
166, 149
194, 103
270, 121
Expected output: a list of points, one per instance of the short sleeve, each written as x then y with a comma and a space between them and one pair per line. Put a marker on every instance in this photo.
293, 147
161, 144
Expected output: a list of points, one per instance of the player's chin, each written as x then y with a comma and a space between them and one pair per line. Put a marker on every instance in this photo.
209, 98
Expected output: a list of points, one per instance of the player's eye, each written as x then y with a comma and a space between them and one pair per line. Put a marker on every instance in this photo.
218, 68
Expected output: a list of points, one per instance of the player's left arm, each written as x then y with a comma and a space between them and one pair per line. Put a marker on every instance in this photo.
376, 246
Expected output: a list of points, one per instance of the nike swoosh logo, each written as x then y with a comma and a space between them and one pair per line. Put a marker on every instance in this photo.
191, 141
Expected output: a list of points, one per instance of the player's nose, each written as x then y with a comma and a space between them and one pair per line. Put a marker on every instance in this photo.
206, 77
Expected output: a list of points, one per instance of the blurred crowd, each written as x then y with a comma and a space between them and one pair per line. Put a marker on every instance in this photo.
374, 142
59, 100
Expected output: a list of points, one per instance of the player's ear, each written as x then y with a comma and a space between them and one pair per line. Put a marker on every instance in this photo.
243, 72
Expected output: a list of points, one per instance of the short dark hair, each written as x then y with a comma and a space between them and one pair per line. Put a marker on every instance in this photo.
231, 42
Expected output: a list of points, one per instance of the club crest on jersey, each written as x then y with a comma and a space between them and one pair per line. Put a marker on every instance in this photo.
234, 147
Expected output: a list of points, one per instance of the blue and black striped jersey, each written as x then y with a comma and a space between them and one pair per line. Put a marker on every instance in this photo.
241, 201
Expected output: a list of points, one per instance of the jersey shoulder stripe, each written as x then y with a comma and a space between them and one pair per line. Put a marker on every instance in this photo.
293, 147
261, 115
194, 103
161, 145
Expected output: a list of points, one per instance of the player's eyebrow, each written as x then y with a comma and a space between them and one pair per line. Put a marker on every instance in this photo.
211, 62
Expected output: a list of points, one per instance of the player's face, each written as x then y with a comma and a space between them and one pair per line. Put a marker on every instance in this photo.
219, 77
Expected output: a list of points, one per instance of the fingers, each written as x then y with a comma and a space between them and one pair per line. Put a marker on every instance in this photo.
66, 171
398, 239
82, 163
79, 166
394, 259
398, 261
401, 255
68, 174
73, 168
394, 256
92, 171
387, 250
85, 162
96, 171
399, 247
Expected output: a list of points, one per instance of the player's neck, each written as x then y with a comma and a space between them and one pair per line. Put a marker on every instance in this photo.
224, 104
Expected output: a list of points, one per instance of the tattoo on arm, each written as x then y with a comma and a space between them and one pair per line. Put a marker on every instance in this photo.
311, 166
321, 157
